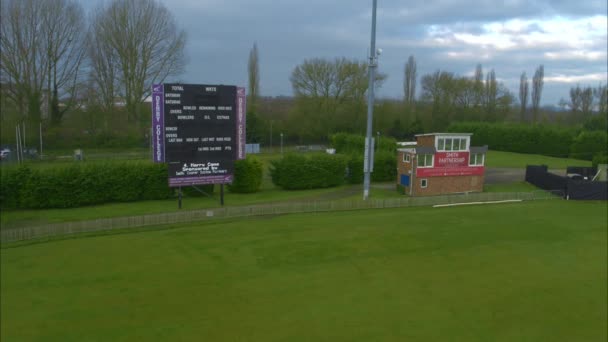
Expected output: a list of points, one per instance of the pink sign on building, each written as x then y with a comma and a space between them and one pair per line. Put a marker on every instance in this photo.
450, 164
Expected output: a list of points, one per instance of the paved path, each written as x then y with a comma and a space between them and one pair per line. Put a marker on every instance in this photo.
503, 175
499, 175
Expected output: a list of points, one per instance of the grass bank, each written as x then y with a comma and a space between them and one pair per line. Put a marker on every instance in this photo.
516, 272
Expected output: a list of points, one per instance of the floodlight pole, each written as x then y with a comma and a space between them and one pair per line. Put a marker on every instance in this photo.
368, 161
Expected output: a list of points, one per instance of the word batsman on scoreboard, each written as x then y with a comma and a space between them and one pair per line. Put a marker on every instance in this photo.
199, 131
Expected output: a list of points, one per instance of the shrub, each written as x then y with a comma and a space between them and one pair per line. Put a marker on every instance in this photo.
247, 175
352, 143
308, 171
400, 189
11, 183
589, 144
385, 167
347, 143
355, 169
83, 184
599, 159
537, 139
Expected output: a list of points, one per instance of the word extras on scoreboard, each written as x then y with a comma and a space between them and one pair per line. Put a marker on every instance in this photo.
202, 129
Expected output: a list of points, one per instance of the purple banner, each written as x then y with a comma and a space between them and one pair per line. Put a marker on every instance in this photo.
158, 123
241, 105
198, 180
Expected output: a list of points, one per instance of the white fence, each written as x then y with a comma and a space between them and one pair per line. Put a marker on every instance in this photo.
119, 223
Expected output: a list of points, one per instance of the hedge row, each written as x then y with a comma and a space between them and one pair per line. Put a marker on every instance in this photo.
82, 184
536, 139
352, 143
599, 159
296, 171
385, 167
247, 175
589, 145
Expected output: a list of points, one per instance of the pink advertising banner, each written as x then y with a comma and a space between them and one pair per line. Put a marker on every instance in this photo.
450, 164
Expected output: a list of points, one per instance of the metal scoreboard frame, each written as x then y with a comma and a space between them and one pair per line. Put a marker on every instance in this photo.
199, 131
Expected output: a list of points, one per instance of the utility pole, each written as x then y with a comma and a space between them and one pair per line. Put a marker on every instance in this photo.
40, 127
368, 161
271, 136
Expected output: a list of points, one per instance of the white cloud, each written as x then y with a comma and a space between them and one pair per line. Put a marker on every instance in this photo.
583, 79
517, 34
576, 55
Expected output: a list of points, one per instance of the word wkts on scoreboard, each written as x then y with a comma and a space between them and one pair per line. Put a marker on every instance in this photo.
199, 131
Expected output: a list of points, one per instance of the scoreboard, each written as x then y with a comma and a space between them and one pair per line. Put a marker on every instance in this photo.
199, 131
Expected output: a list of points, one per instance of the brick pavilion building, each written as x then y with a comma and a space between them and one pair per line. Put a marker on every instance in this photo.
441, 163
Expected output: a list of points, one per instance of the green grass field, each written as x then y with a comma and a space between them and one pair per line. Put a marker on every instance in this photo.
19, 218
533, 271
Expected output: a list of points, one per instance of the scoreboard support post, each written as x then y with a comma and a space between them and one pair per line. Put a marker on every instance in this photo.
222, 194
179, 197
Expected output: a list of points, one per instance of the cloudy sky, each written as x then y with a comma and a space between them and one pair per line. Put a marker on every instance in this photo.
512, 36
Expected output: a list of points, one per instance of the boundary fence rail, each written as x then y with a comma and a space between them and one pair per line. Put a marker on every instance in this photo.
119, 223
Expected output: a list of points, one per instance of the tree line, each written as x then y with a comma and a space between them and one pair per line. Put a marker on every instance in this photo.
58, 61
55, 58
329, 96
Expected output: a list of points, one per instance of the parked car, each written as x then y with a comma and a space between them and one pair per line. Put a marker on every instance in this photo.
5, 154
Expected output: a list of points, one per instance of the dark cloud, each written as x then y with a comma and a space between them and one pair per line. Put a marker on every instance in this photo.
509, 36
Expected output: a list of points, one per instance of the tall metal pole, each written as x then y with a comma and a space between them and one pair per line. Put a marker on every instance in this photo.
19, 144
23, 144
40, 127
17, 130
270, 136
368, 161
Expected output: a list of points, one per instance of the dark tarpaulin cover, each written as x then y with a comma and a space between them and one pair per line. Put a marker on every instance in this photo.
572, 188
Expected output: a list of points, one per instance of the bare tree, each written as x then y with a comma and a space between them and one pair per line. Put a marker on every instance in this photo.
601, 95
537, 89
439, 90
575, 99
409, 81
64, 39
523, 95
145, 46
491, 94
330, 94
478, 87
103, 61
41, 45
338, 80
253, 70
464, 92
22, 55
586, 101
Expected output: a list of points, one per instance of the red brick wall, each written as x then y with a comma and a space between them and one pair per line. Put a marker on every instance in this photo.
448, 185
427, 140
404, 168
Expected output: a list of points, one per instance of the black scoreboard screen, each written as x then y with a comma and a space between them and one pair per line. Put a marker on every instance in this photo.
199, 131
